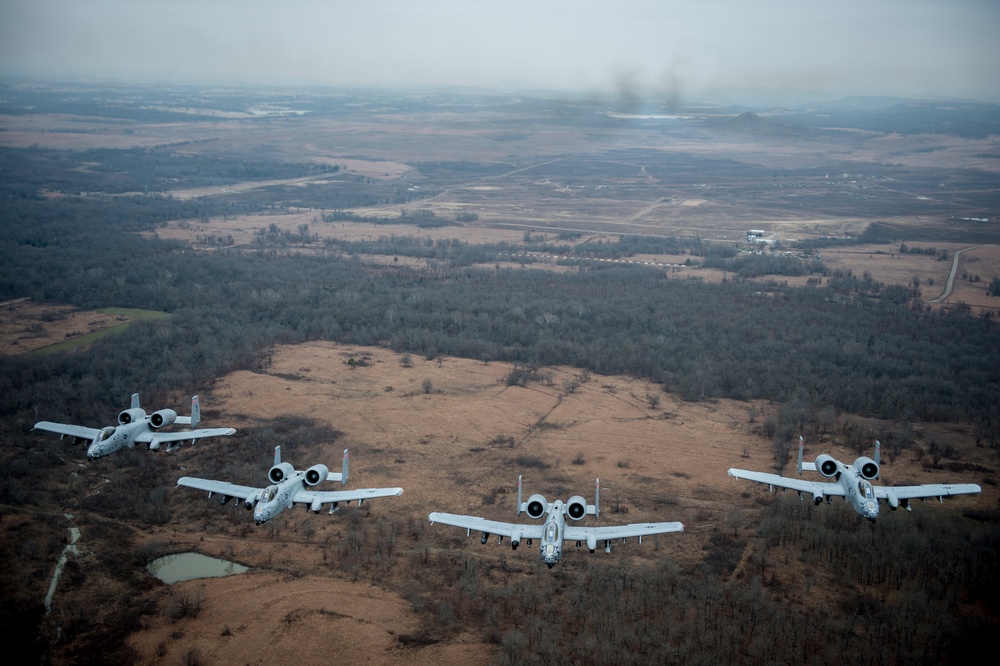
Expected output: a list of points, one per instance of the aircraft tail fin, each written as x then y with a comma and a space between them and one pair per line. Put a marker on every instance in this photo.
195, 412
277, 455
135, 401
519, 495
597, 499
807, 466
878, 456
342, 474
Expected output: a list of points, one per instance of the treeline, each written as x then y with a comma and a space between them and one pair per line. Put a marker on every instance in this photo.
918, 589
140, 169
346, 191
629, 245
35, 173
752, 265
702, 341
460, 253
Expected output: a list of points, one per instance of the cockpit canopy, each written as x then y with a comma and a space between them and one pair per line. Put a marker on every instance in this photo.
105, 433
866, 490
269, 493
551, 532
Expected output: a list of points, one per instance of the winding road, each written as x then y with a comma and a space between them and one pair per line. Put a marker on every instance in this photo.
951, 276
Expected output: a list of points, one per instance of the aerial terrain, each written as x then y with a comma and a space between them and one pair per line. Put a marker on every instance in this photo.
461, 287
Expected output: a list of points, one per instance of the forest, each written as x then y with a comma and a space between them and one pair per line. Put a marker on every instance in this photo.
824, 345
920, 591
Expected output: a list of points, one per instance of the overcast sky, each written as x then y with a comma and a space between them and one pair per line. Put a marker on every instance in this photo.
934, 48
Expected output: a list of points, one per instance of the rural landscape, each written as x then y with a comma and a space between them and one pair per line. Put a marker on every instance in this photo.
465, 286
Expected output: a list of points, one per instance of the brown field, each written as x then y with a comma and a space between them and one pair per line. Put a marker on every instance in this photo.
300, 619
244, 227
444, 448
27, 326
886, 264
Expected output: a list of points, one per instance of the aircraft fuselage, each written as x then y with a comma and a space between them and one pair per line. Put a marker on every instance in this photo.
858, 491
276, 498
114, 438
552, 535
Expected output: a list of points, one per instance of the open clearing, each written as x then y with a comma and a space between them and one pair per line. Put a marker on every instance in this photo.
263, 617
455, 436
27, 326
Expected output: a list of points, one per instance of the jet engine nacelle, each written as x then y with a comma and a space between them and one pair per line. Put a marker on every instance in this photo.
280, 472
316, 474
537, 506
866, 467
131, 416
164, 417
826, 465
576, 507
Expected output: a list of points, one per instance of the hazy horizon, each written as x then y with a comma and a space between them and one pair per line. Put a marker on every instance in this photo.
664, 51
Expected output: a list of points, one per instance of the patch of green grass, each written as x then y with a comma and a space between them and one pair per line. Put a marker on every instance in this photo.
134, 314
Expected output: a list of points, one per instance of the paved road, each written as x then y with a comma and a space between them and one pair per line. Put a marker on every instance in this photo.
951, 276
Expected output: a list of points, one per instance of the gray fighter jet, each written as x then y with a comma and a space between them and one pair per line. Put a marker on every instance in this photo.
554, 531
288, 487
853, 483
135, 426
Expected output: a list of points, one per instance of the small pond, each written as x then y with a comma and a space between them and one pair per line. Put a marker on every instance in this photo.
186, 566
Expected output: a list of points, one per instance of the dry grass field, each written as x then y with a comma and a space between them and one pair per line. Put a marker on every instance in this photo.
455, 436
26, 326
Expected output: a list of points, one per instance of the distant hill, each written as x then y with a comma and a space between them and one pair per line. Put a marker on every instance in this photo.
749, 123
968, 119
747, 119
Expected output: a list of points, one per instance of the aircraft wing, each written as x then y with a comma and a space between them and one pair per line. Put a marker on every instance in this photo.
811, 487
478, 524
68, 430
925, 491
182, 435
574, 533
220, 487
330, 496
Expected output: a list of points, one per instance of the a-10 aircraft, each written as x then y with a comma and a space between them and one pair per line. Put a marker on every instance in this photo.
289, 486
554, 531
853, 483
135, 426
